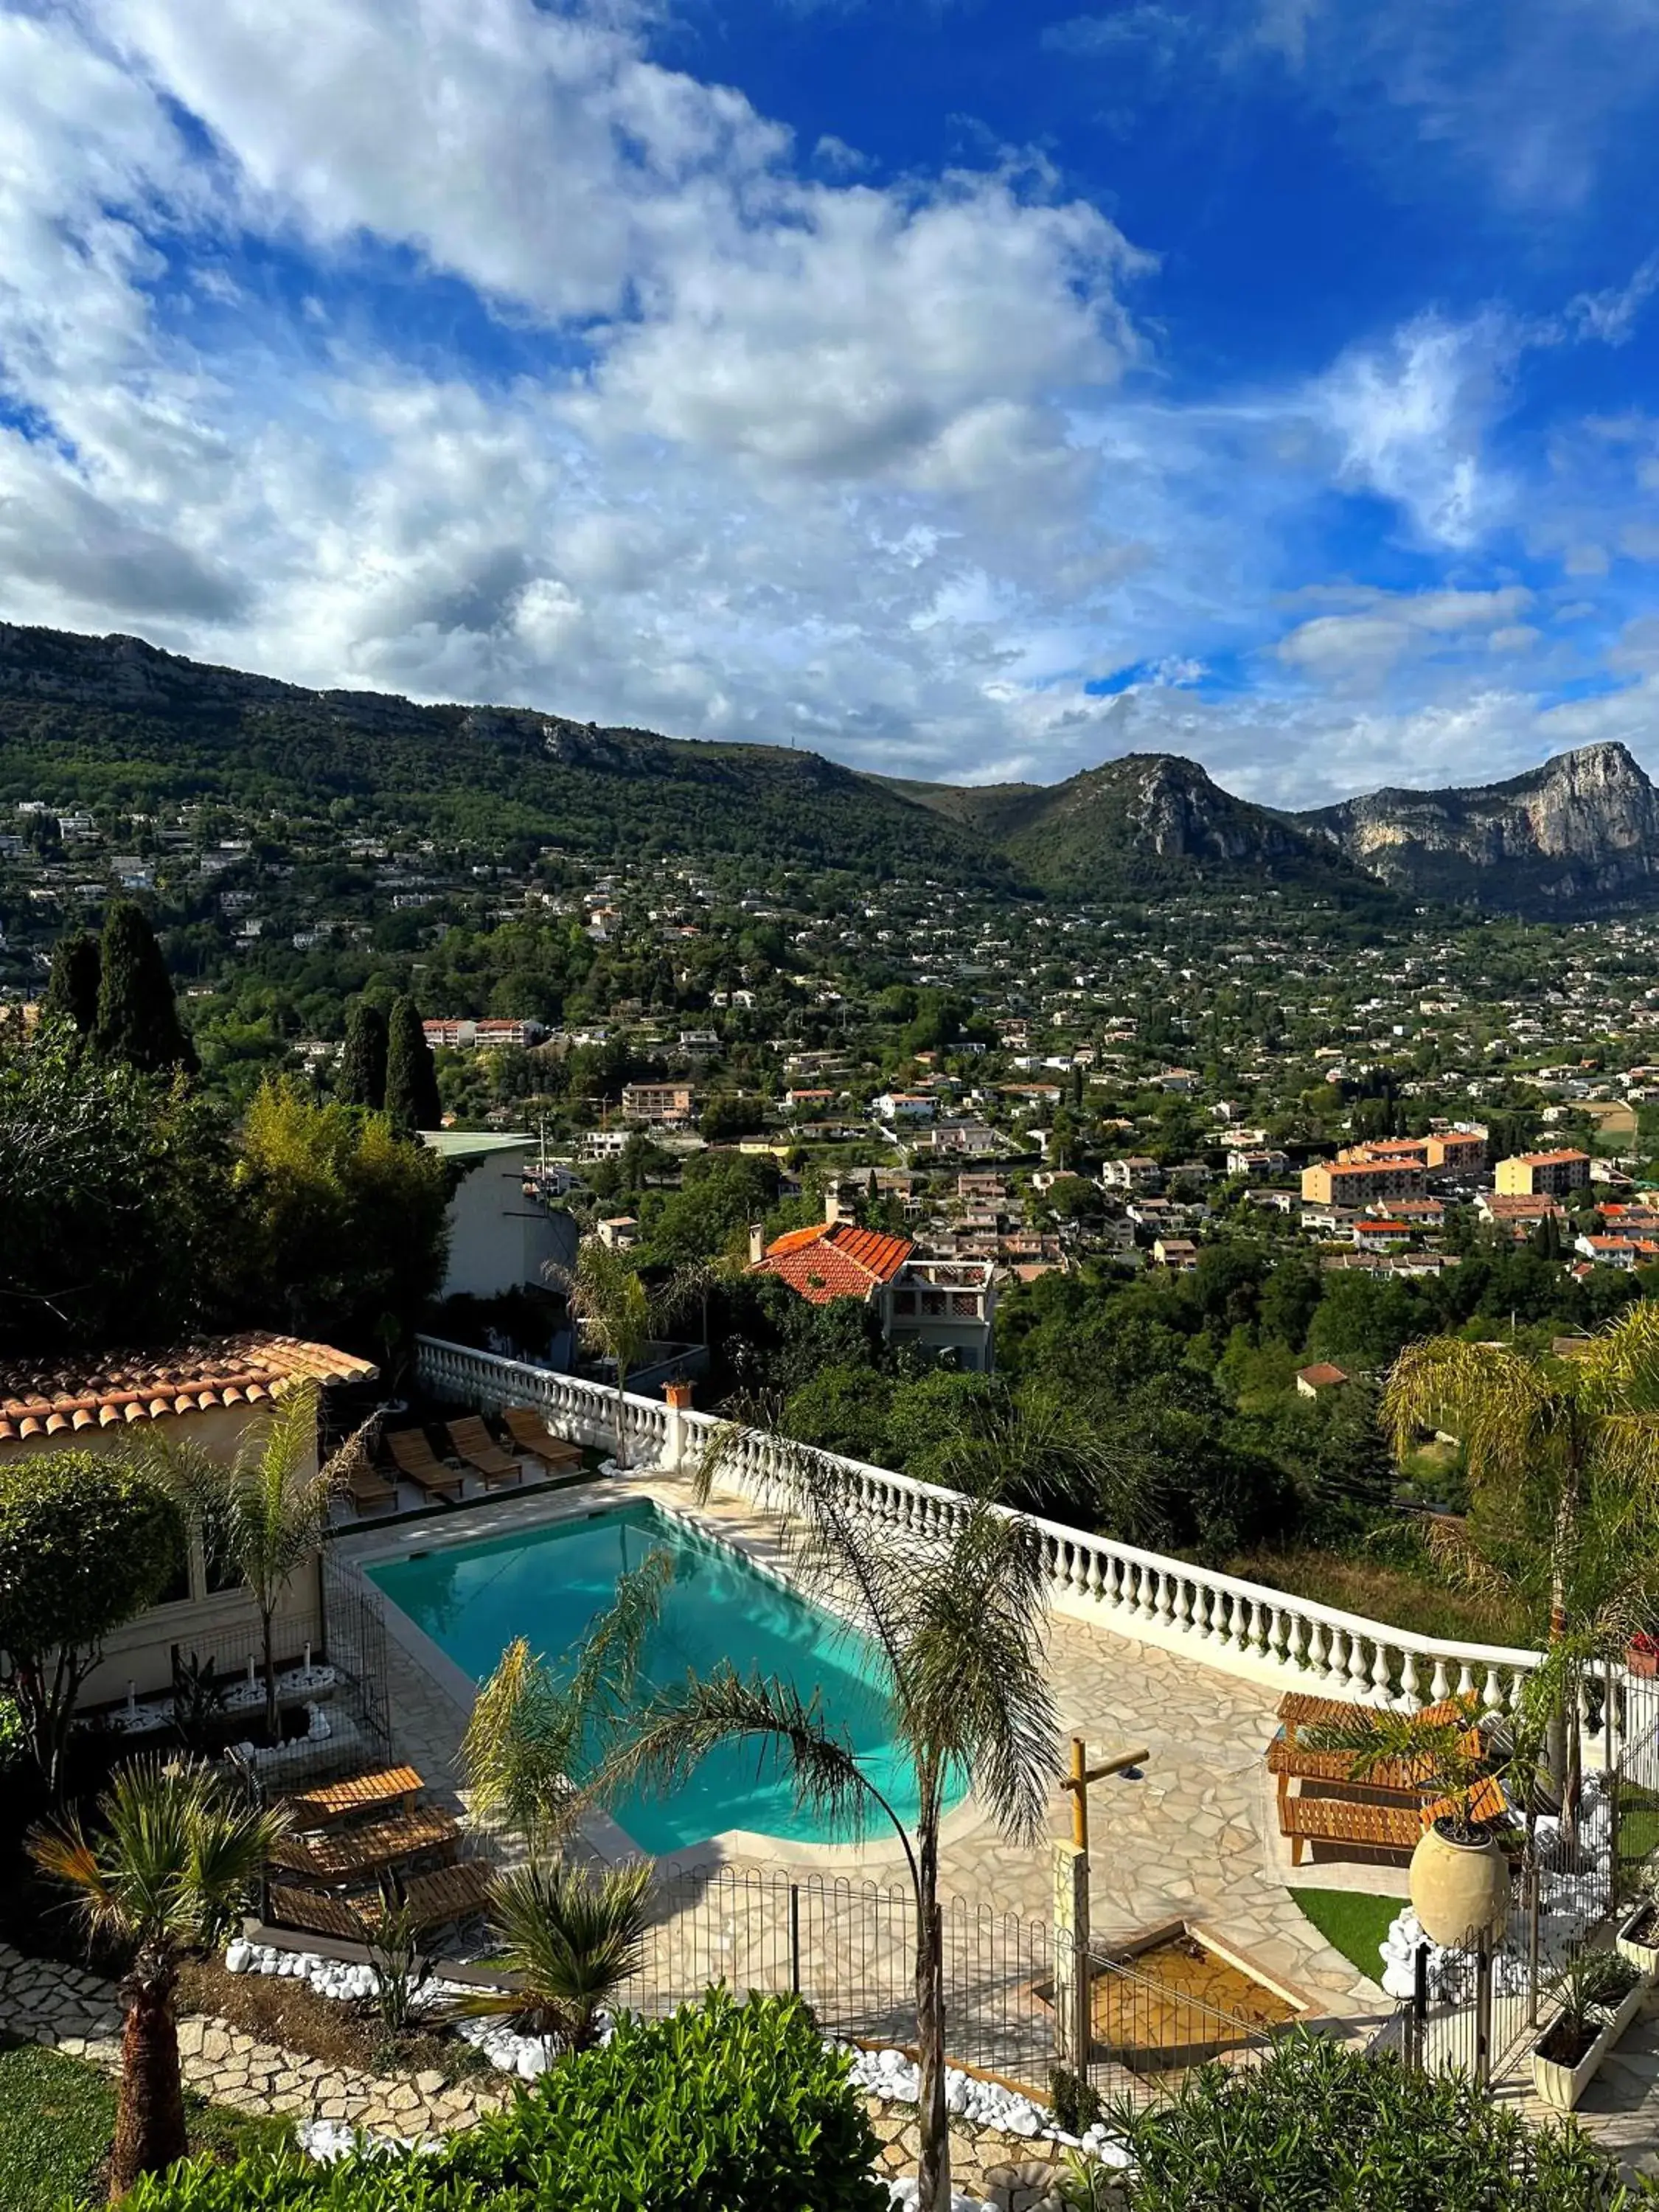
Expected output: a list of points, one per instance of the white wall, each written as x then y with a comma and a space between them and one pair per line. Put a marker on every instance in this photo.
499, 1239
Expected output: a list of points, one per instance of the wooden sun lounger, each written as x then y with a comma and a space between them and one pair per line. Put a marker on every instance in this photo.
434, 1900
415, 1458
532, 1436
473, 1443
1387, 1827
369, 1487
396, 1787
340, 1854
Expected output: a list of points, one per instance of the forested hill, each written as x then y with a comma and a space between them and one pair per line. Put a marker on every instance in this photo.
113, 722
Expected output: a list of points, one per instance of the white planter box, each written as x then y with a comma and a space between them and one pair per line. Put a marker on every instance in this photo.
1562, 2086
1642, 1953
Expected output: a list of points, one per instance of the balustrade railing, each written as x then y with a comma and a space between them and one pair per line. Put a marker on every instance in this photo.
1244, 1628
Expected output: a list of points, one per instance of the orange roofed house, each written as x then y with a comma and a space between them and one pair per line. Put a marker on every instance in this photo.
208, 1394
940, 1305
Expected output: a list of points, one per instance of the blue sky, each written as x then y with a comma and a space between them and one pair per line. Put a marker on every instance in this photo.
966, 388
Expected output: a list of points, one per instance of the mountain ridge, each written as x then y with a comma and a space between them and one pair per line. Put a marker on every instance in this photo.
116, 720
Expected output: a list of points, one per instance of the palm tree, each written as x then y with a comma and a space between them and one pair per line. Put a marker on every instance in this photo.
612, 1309
177, 1861
955, 1616
265, 1513
1563, 1464
570, 1939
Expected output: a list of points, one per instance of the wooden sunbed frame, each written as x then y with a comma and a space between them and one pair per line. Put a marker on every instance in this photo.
415, 1458
472, 1442
532, 1436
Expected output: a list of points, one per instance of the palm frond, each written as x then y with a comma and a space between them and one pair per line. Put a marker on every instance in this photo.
974, 1687
177, 1859
531, 1735
789, 1732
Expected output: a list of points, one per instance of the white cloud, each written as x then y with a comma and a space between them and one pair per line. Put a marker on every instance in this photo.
1411, 415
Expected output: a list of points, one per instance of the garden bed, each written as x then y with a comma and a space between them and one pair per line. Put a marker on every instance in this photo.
285, 2010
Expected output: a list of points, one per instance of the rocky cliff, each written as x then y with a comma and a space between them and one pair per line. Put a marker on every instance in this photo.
1581, 831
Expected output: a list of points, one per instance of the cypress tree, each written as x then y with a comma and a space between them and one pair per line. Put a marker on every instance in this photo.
72, 987
411, 1074
362, 1063
138, 1014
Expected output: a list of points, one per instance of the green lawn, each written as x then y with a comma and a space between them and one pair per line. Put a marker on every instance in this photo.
1353, 1922
57, 2115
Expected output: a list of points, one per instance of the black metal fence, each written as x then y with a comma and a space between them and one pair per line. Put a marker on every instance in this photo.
849, 1949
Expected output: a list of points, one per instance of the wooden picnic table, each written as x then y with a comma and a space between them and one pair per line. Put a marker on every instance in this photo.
388, 1786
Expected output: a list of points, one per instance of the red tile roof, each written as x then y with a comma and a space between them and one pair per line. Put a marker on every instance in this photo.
835, 1260
122, 1388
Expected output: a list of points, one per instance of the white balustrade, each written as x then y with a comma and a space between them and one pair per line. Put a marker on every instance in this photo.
1244, 1628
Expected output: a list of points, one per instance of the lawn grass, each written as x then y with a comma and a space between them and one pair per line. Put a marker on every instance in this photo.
1353, 1922
57, 2115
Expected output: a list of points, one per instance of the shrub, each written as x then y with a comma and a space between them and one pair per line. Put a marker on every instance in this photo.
85, 1544
1317, 2124
739, 2108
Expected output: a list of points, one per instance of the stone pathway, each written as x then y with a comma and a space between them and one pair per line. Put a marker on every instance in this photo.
77, 2013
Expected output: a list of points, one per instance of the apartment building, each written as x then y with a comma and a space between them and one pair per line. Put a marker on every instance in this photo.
1356, 1183
666, 1104
1542, 1174
464, 1035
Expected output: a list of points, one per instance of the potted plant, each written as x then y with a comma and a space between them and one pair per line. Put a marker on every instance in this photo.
1595, 1996
677, 1394
1460, 1871
1642, 1656
1637, 1939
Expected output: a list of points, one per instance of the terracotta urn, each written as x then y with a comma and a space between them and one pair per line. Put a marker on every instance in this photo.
1459, 1887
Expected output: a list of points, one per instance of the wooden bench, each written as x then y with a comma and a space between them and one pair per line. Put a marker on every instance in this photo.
397, 1786
339, 1855
1395, 1826
433, 1899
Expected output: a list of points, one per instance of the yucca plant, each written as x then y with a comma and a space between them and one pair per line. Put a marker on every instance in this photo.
265, 1512
569, 1938
612, 1309
174, 1862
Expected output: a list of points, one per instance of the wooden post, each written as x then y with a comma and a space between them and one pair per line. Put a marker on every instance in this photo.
1073, 2010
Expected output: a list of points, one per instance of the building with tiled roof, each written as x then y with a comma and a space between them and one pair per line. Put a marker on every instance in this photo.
208, 1394
939, 1305
78, 1401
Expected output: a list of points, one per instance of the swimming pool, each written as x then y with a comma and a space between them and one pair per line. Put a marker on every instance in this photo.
547, 1584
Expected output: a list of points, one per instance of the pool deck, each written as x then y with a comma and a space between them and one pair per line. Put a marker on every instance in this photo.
1195, 1836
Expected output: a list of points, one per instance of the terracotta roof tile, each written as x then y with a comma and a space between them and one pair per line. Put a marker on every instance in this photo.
124, 1388
835, 1261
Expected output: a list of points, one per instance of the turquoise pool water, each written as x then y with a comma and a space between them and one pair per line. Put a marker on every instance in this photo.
549, 1584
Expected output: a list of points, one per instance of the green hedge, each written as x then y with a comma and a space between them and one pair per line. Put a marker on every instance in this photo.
1322, 2128
721, 2108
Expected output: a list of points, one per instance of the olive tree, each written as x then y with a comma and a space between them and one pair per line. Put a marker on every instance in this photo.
86, 1543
